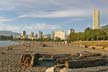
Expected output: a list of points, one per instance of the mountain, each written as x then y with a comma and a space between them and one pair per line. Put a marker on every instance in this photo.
105, 28
9, 33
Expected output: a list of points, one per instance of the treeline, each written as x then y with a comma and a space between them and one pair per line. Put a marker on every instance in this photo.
6, 37
88, 35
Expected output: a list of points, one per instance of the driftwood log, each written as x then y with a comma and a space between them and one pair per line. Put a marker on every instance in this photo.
84, 59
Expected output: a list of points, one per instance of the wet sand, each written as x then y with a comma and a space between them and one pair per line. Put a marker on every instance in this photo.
9, 58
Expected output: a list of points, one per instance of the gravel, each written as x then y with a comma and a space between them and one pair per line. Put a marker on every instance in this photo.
9, 62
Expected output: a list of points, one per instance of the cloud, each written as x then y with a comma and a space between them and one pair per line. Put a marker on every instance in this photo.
6, 5
19, 4
57, 14
25, 6
6, 8
3, 19
51, 4
42, 26
4, 24
8, 27
30, 27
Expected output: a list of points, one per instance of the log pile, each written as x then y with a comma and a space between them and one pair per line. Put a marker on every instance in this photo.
84, 54
28, 60
25, 60
83, 59
60, 68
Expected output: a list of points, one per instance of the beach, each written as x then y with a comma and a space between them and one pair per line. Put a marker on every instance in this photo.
9, 57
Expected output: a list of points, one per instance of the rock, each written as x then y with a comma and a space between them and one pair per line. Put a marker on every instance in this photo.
65, 70
3, 53
86, 46
106, 49
51, 69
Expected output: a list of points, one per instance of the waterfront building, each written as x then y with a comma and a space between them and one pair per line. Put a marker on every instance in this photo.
40, 35
23, 35
59, 34
52, 36
70, 31
31, 36
96, 19
36, 36
47, 36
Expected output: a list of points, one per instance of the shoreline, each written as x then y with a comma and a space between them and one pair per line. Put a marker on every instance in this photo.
9, 60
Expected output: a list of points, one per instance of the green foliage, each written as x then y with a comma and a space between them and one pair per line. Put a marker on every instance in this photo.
88, 35
58, 39
6, 37
46, 39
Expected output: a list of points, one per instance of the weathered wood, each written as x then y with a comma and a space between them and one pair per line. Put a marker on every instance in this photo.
66, 67
25, 60
87, 54
85, 59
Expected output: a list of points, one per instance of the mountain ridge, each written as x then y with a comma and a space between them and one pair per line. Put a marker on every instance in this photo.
8, 33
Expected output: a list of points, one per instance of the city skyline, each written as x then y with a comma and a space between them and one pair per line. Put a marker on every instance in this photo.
50, 15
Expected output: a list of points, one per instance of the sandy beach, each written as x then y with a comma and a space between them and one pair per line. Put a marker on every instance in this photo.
9, 58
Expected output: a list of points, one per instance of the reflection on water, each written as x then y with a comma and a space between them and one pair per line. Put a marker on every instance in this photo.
7, 43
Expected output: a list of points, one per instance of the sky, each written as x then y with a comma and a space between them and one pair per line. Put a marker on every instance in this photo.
50, 15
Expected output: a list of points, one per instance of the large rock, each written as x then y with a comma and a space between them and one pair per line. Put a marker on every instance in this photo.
51, 69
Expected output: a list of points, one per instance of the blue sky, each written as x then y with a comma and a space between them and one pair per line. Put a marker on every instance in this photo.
50, 15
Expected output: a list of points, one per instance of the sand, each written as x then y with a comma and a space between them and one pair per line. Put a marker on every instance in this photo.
9, 58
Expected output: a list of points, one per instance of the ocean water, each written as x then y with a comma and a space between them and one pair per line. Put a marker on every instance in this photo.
8, 43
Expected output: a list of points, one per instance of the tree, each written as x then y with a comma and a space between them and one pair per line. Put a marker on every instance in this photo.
88, 34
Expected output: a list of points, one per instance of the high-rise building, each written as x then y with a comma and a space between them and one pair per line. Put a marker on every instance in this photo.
96, 19
71, 31
36, 36
59, 34
47, 36
40, 35
31, 36
23, 35
52, 35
